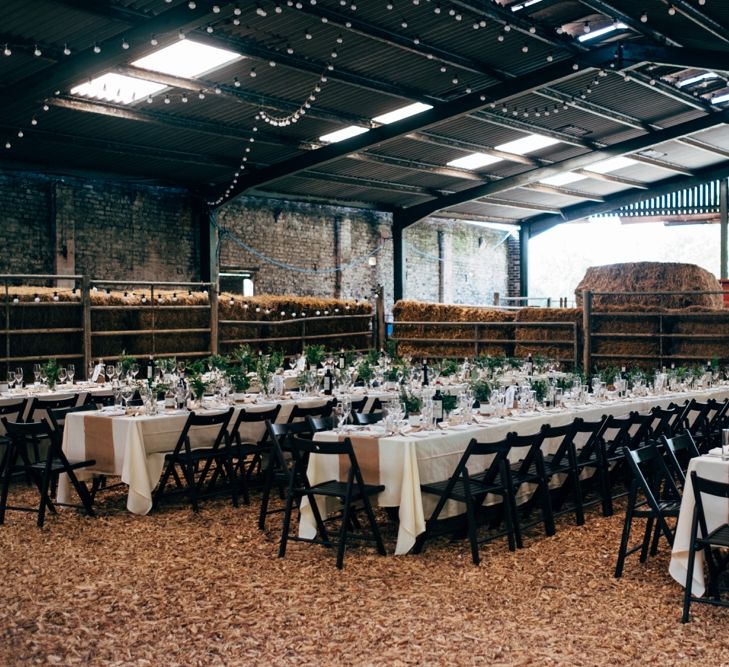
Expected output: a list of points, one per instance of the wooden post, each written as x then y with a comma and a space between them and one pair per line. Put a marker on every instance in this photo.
86, 301
380, 317
587, 331
213, 299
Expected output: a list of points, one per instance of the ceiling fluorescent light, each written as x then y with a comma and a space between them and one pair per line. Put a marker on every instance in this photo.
697, 78
403, 112
474, 161
344, 133
524, 5
187, 58
563, 179
528, 144
613, 164
601, 32
117, 88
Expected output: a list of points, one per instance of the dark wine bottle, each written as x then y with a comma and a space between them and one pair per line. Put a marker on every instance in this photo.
425, 372
342, 360
328, 382
438, 406
150, 368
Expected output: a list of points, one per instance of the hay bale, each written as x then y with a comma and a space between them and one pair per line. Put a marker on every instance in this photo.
636, 335
651, 277
419, 311
558, 341
714, 324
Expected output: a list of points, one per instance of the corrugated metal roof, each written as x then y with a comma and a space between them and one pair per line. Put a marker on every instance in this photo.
384, 59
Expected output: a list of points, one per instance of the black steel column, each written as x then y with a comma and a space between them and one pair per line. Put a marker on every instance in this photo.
398, 256
723, 216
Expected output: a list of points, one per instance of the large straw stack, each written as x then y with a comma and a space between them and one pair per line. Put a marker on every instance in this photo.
650, 277
558, 341
319, 319
416, 311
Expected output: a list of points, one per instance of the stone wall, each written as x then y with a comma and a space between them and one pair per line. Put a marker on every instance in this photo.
473, 264
121, 231
269, 236
109, 231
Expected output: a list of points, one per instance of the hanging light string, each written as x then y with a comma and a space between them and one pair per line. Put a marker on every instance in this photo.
435, 258
227, 234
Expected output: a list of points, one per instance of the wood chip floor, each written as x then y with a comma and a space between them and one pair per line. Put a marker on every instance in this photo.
175, 588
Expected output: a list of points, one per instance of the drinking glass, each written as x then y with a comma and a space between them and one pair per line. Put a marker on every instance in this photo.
11, 379
127, 391
293, 362
346, 403
341, 417
725, 444
37, 373
62, 375
70, 371
119, 370
91, 369
110, 372
135, 370
19, 377
181, 368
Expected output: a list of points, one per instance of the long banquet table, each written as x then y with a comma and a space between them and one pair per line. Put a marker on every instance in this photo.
403, 461
709, 466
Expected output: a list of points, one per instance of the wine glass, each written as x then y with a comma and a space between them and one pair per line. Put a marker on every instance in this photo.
341, 417
11, 379
70, 371
110, 372
134, 370
181, 368
62, 375
293, 363
37, 373
127, 391
19, 377
346, 403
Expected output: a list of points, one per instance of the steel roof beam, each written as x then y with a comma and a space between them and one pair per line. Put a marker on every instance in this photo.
579, 162
323, 201
241, 95
370, 183
85, 64
418, 165
562, 191
439, 113
702, 20
170, 121
539, 224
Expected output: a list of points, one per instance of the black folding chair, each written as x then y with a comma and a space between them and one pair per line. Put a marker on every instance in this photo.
217, 450
300, 412
471, 489
653, 496
13, 412
248, 453
280, 466
590, 456
563, 462
24, 437
680, 449
366, 418
349, 492
317, 424
666, 421
38, 408
709, 542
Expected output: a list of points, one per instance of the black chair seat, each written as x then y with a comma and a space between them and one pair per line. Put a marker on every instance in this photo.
719, 537
476, 487
335, 489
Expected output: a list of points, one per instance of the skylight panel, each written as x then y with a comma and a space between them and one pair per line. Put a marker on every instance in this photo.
697, 78
344, 133
524, 5
117, 88
474, 161
563, 179
594, 34
719, 99
403, 112
613, 164
528, 144
187, 58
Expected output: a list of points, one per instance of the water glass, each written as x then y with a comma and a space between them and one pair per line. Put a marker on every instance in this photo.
725, 444
70, 372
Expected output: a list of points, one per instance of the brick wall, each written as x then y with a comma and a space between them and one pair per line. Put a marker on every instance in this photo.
514, 267
474, 266
105, 230
309, 237
121, 231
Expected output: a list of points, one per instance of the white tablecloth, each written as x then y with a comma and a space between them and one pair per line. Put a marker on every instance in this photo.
716, 511
406, 461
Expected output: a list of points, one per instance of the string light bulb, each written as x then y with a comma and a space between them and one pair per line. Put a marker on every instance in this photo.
97, 48
37, 52
671, 10
66, 50
125, 44
644, 17
7, 51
